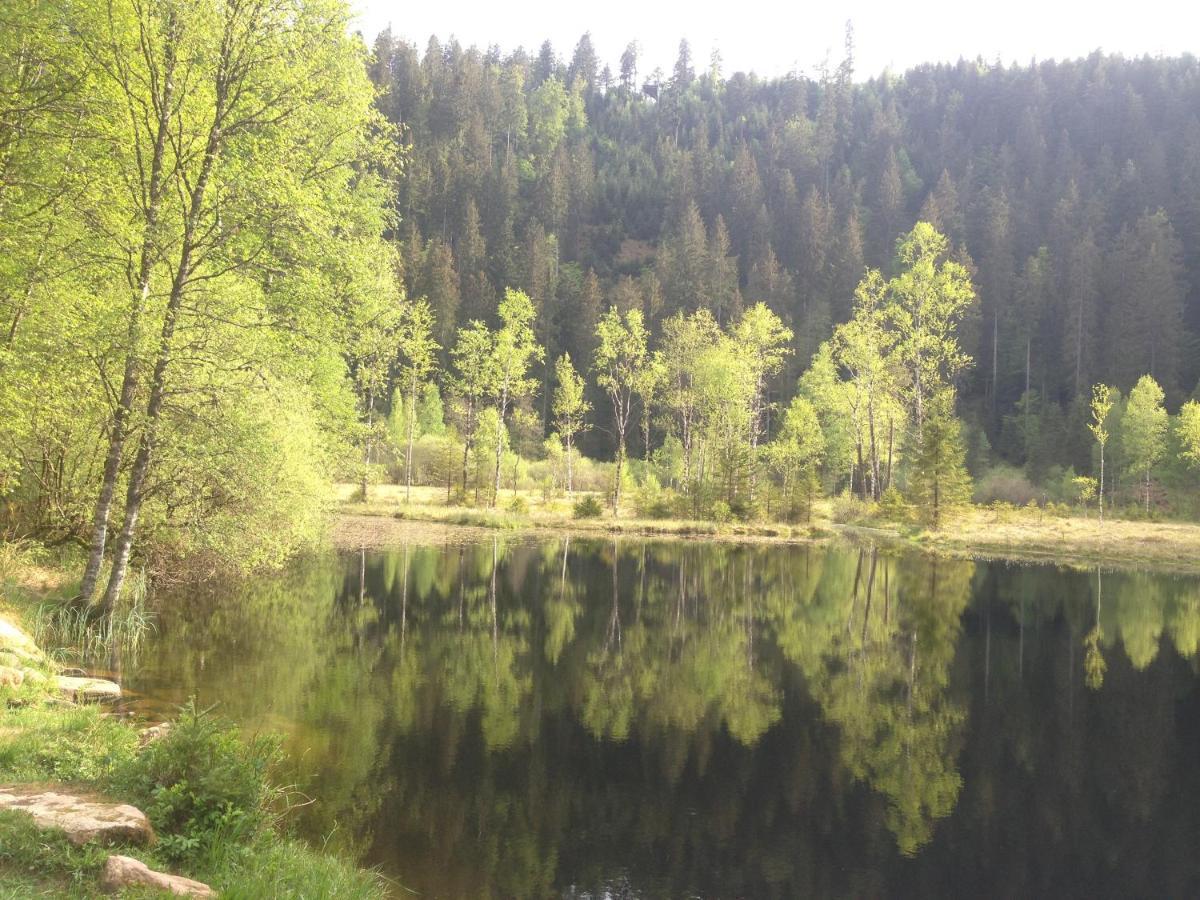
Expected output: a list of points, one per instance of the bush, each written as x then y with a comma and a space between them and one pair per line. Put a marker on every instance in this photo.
587, 507
654, 501
518, 505
1007, 484
893, 507
848, 510
721, 512
202, 784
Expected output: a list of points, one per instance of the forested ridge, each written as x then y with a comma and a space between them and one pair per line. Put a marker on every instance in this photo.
244, 256
1070, 191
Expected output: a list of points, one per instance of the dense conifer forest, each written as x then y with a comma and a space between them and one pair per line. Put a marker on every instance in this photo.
1070, 191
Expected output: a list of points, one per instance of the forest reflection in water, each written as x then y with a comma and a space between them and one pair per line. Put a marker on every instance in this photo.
522, 718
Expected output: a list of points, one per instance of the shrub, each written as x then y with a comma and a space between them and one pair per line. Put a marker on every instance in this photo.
518, 505
848, 510
893, 507
202, 784
721, 512
587, 507
654, 501
1007, 484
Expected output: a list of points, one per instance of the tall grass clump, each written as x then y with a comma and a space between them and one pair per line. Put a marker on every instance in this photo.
80, 632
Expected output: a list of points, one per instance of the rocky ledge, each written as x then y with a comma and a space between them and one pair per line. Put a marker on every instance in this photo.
83, 818
123, 871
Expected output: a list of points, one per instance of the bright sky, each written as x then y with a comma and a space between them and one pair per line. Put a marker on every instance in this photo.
774, 39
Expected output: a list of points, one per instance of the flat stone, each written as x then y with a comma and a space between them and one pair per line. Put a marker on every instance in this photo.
88, 689
16, 642
153, 733
82, 818
123, 871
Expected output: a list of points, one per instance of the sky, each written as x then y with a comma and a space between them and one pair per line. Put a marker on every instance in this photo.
774, 39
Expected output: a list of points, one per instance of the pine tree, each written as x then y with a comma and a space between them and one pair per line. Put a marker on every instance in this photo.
939, 478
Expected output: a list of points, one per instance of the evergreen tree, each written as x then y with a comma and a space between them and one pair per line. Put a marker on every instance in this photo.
940, 482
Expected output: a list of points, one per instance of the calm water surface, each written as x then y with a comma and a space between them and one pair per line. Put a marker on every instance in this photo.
542, 718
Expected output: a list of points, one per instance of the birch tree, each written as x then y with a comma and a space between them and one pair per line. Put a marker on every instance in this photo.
619, 360
1144, 429
570, 409
418, 349
514, 350
1100, 407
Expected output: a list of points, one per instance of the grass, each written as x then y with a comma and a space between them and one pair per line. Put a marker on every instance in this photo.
84, 748
429, 505
1004, 532
207, 790
1026, 534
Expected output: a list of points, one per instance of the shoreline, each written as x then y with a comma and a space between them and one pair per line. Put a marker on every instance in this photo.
82, 746
1018, 536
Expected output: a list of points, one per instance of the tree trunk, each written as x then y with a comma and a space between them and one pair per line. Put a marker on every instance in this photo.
468, 443
570, 465
412, 422
502, 406
129, 382
620, 465
135, 494
891, 429
367, 447
1100, 493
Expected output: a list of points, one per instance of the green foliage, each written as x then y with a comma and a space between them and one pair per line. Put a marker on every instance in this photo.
1005, 484
939, 479
37, 853
653, 500
1144, 429
202, 783
195, 347
79, 744
893, 507
1189, 432
795, 456
587, 507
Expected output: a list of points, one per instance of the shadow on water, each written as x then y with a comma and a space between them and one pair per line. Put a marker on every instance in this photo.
518, 718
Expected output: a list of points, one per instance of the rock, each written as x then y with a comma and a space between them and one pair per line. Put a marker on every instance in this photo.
123, 871
153, 733
16, 642
82, 818
88, 689
10, 677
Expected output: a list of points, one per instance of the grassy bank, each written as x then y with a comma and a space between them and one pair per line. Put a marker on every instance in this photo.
207, 789
533, 513
1033, 536
1014, 533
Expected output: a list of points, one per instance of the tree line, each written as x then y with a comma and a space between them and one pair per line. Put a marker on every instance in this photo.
1070, 191
244, 257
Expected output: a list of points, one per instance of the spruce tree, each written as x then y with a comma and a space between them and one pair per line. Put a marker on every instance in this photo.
940, 482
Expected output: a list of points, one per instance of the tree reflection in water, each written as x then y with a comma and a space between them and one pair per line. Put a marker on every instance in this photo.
518, 718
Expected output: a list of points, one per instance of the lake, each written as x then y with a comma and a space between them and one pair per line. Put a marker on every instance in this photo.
512, 716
